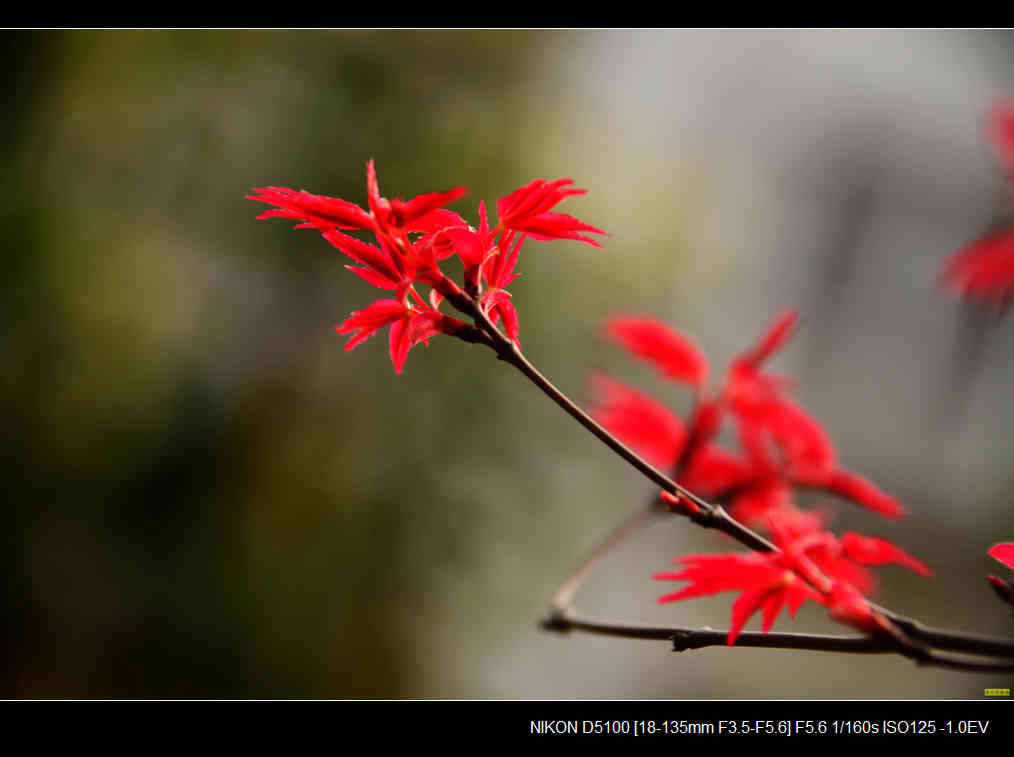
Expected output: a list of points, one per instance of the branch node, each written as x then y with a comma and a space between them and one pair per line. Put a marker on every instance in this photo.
681, 641
556, 621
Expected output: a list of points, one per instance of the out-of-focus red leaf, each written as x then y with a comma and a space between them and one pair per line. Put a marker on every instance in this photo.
856, 488
984, 270
773, 339
1001, 132
870, 550
638, 420
673, 353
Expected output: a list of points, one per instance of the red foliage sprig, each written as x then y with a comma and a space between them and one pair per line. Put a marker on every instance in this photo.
783, 446
414, 236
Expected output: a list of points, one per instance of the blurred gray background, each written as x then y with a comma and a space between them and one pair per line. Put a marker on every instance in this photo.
206, 497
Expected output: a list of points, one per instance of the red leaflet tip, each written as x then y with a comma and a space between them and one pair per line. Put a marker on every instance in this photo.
998, 583
1003, 552
528, 210
674, 354
774, 338
859, 490
982, 270
1003, 589
680, 504
870, 550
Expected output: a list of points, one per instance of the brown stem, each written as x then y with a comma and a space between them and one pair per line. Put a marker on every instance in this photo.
710, 516
698, 638
684, 639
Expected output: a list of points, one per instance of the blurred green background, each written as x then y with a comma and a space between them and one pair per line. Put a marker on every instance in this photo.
207, 497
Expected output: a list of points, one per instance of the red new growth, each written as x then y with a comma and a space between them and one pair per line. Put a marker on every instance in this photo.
783, 446
984, 269
680, 504
766, 582
413, 237
409, 326
639, 420
527, 210
675, 355
811, 564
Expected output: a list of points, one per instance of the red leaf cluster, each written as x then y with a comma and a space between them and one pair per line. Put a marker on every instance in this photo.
810, 564
414, 236
782, 448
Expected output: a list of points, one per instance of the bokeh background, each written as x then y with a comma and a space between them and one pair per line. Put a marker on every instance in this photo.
204, 496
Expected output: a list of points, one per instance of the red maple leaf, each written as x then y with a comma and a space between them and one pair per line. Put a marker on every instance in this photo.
767, 583
842, 559
527, 210
812, 564
638, 420
984, 269
783, 446
409, 326
412, 238
674, 354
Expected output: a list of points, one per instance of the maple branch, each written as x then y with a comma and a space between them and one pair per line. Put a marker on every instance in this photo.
697, 638
710, 515
923, 654
904, 636
952, 641
899, 634
684, 639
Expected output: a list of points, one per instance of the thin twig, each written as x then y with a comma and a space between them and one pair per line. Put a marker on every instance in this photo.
710, 516
564, 594
684, 639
